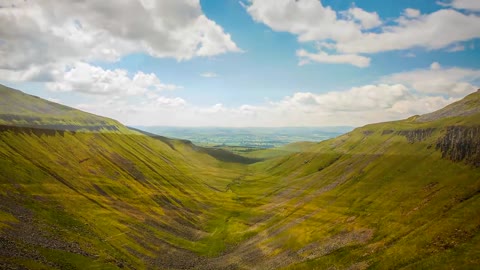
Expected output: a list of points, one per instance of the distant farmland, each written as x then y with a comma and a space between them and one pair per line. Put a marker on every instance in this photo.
249, 137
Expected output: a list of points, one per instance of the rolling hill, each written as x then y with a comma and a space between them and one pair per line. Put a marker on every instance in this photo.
82, 191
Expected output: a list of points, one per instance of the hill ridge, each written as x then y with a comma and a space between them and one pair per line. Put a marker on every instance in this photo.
466, 106
20, 109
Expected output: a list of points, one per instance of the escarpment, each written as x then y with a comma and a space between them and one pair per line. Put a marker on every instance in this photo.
416, 135
461, 143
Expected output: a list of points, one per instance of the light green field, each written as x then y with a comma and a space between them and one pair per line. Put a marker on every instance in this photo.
394, 195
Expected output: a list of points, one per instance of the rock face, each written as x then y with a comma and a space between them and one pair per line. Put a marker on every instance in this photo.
461, 143
416, 135
387, 131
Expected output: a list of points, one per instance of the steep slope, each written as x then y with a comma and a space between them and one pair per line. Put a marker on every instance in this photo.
403, 194
23, 110
85, 191
218, 153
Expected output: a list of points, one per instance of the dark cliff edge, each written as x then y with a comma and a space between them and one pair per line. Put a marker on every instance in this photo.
416, 135
461, 143
51, 130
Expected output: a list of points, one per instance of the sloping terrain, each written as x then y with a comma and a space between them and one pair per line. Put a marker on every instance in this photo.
23, 110
402, 194
105, 197
470, 105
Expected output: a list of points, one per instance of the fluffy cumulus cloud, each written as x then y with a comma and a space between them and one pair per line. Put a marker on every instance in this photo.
85, 78
395, 96
369, 97
41, 33
462, 4
433, 31
308, 19
419, 105
56, 42
452, 81
411, 12
350, 33
355, 106
366, 19
359, 105
53, 42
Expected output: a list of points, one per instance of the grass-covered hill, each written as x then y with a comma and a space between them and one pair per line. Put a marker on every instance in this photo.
20, 109
393, 195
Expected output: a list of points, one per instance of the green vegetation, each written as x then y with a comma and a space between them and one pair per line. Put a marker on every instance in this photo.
22, 110
402, 194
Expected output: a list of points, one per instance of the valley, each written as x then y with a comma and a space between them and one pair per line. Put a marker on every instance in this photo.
80, 191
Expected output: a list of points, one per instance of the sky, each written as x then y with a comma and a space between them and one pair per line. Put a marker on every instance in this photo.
253, 63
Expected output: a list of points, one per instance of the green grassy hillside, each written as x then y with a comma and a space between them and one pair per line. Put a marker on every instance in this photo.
402, 194
20, 109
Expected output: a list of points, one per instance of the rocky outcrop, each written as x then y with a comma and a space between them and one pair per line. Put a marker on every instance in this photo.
387, 131
368, 132
52, 130
416, 135
461, 143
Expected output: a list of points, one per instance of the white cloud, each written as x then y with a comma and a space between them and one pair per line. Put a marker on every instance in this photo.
412, 13
420, 105
368, 20
435, 66
350, 34
456, 48
217, 108
308, 19
150, 110
85, 78
323, 57
368, 97
355, 106
209, 75
325, 45
41, 33
462, 4
433, 31
438, 80
174, 102
39, 73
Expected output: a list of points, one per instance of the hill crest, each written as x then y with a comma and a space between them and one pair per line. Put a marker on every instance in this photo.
466, 106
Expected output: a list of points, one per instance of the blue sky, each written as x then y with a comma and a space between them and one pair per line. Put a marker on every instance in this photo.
244, 63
